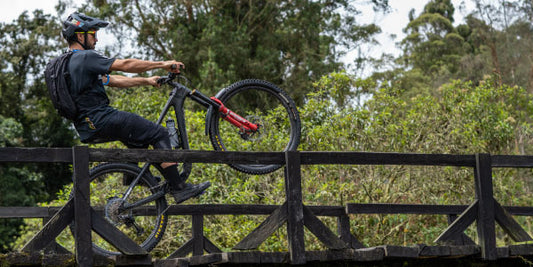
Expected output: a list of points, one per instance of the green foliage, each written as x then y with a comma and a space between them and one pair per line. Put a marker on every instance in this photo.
27, 117
289, 43
294, 44
461, 118
432, 48
20, 185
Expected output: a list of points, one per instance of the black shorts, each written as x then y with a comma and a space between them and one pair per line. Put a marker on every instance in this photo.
129, 128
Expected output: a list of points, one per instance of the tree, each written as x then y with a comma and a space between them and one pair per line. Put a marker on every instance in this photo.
433, 47
290, 43
503, 29
21, 185
27, 117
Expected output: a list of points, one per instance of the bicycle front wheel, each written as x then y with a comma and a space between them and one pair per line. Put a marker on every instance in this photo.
108, 183
262, 103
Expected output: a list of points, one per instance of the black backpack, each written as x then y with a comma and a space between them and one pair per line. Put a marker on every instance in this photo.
58, 83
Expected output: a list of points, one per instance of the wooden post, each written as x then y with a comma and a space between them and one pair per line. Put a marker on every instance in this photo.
486, 218
295, 218
82, 206
343, 229
198, 235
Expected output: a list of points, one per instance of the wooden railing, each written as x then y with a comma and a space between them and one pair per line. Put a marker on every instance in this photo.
485, 210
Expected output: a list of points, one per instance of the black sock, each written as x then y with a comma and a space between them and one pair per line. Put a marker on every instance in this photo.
172, 176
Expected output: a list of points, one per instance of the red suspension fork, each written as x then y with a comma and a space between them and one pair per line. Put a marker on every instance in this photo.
235, 119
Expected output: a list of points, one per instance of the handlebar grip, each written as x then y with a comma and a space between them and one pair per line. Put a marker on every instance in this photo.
173, 66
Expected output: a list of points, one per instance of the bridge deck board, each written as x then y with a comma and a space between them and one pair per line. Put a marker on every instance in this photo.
371, 254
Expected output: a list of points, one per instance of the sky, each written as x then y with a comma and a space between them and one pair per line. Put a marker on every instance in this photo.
391, 23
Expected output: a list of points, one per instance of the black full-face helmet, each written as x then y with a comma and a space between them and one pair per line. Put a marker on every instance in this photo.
79, 22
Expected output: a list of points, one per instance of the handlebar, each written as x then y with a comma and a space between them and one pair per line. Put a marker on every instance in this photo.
171, 76
166, 79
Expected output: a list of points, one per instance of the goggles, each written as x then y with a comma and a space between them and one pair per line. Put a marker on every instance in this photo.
93, 33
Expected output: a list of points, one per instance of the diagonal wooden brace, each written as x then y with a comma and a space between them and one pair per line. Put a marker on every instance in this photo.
509, 225
321, 231
264, 230
52, 228
115, 237
460, 224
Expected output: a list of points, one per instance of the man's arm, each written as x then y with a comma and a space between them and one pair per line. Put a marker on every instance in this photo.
124, 82
137, 66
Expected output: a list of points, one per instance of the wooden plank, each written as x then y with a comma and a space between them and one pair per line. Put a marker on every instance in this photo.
219, 209
326, 255
334, 211
23, 212
433, 251
51, 229
128, 260
322, 232
252, 209
206, 260
178, 262
82, 203
35, 259
520, 211
513, 161
459, 226
252, 257
521, 250
386, 208
400, 252
509, 225
368, 254
463, 251
274, 257
373, 158
295, 217
236, 209
115, 237
502, 252
35, 154
264, 230
190, 156
486, 224
198, 235
389, 208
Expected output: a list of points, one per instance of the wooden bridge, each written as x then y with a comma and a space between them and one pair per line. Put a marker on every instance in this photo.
342, 245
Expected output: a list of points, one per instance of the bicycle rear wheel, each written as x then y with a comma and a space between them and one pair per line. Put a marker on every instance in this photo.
108, 182
265, 104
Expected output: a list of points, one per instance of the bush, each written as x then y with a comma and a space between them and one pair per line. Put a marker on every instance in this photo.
459, 119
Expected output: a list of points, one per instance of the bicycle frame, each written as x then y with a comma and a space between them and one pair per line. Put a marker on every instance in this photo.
177, 100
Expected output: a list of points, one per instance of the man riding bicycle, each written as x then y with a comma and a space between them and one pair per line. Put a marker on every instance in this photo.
96, 120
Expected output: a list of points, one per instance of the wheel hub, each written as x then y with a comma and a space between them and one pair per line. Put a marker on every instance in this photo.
253, 136
113, 211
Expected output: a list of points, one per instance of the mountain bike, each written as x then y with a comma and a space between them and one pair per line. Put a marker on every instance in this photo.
248, 115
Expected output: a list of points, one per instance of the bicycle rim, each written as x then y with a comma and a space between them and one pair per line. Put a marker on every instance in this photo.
108, 183
263, 103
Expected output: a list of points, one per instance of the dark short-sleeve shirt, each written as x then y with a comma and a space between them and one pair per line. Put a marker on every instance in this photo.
86, 69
